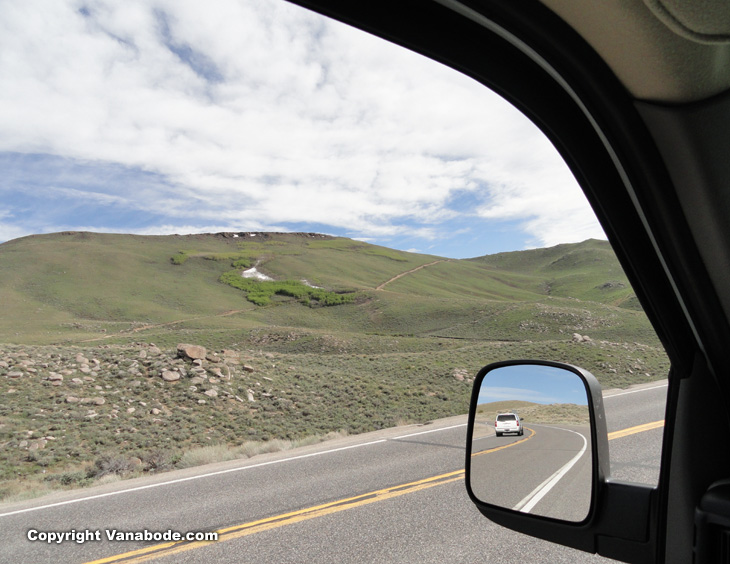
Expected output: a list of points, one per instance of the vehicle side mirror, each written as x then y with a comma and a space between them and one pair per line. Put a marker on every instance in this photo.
545, 468
549, 478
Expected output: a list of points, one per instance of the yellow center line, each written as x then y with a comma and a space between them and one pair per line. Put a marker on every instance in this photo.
237, 531
634, 430
168, 549
495, 449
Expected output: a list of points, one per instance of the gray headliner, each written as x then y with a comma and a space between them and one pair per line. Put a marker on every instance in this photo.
661, 50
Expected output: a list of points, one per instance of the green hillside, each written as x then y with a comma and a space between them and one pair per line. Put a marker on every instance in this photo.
74, 288
346, 337
586, 271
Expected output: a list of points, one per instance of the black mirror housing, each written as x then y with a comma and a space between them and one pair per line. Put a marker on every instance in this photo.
610, 502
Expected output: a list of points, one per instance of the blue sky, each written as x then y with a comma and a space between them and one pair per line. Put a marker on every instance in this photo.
534, 383
161, 116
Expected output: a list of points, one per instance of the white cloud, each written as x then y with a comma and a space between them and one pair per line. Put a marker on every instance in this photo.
261, 112
8, 230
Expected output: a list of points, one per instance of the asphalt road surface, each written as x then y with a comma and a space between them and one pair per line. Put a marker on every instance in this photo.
391, 496
547, 471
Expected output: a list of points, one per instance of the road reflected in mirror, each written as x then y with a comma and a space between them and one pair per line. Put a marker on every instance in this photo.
531, 442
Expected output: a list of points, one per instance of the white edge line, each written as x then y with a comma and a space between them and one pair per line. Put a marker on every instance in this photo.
219, 472
527, 504
426, 432
634, 391
188, 479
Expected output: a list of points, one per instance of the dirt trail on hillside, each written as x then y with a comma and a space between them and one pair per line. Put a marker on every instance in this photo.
402, 274
232, 312
156, 325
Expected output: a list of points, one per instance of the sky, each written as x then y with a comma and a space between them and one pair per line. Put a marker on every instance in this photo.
534, 383
161, 117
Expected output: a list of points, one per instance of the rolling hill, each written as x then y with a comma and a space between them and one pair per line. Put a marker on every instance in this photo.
77, 287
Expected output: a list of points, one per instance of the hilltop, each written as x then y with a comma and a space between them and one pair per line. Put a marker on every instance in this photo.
79, 288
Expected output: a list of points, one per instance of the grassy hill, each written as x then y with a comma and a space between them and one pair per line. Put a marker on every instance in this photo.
72, 288
587, 271
84, 388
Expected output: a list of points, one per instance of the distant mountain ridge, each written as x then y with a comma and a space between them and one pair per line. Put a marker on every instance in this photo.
79, 286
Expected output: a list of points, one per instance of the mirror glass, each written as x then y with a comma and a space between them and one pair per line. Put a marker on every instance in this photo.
531, 442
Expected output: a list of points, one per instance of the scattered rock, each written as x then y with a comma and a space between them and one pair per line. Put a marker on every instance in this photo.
170, 376
611, 285
15, 374
191, 352
248, 368
211, 393
37, 445
460, 374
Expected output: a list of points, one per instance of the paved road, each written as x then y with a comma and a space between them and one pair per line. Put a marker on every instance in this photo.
395, 496
545, 472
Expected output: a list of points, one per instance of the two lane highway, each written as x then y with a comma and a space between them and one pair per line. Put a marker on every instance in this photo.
395, 495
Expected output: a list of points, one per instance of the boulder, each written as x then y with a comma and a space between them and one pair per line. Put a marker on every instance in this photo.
191, 352
170, 376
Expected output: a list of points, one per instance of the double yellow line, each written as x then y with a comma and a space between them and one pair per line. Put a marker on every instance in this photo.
168, 549
237, 531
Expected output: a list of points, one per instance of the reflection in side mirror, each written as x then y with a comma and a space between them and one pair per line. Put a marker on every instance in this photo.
530, 447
